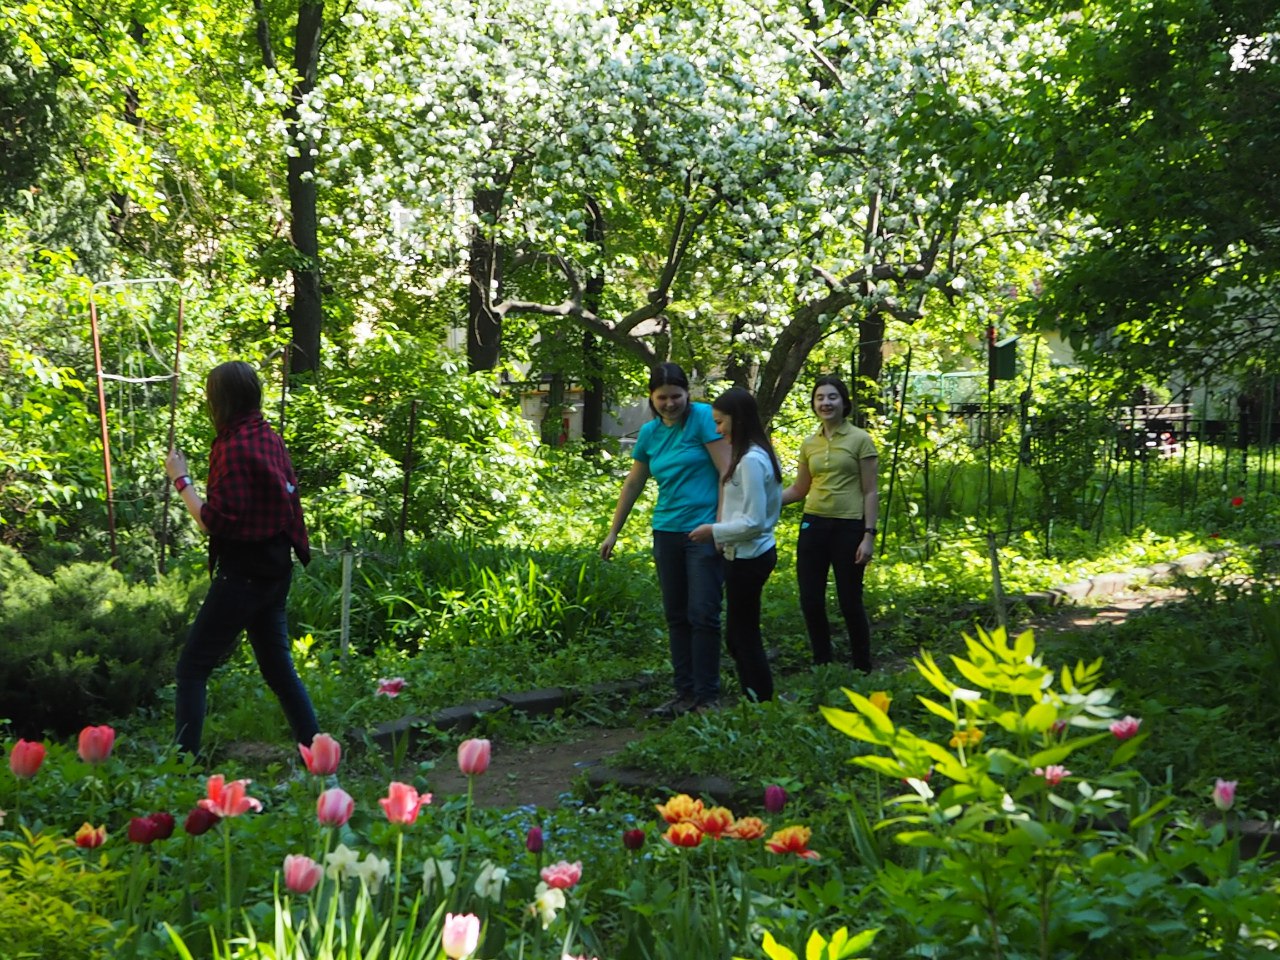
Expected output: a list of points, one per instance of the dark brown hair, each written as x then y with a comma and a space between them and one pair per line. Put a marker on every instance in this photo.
232, 391
747, 429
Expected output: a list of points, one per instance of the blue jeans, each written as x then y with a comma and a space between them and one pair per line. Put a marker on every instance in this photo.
690, 575
831, 544
256, 606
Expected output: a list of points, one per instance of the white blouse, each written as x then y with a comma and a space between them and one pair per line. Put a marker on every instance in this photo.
749, 511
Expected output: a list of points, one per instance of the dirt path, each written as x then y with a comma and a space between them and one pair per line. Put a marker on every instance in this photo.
532, 774
539, 774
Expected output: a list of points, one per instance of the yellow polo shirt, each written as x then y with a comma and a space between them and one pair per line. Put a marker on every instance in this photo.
836, 468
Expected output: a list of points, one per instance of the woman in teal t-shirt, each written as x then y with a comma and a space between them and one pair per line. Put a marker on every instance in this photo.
681, 449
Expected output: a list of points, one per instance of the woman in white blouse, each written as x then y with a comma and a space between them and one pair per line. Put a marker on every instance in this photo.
750, 502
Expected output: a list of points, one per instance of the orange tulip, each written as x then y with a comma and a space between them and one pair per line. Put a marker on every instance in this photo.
681, 808
748, 828
715, 822
792, 840
683, 835
89, 836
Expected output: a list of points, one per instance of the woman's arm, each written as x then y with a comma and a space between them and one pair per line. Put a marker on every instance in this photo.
631, 489
870, 507
800, 489
718, 451
175, 465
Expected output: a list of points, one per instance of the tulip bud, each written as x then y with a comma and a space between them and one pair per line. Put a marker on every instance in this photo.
533, 840
473, 757
775, 798
199, 821
633, 839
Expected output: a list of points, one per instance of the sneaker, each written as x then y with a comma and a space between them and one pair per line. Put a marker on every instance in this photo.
706, 706
675, 707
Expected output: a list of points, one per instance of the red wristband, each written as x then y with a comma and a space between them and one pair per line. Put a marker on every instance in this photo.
182, 483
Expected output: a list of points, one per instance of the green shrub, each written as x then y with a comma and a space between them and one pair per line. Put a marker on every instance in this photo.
49, 898
83, 645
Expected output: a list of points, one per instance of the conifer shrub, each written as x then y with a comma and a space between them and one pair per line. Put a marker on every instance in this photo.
83, 645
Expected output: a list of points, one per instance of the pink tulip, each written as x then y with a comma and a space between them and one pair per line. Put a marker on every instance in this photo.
1224, 794
228, 799
1053, 774
25, 758
96, 743
473, 757
334, 808
301, 874
402, 803
775, 798
1126, 728
533, 840
389, 687
322, 756
461, 935
562, 875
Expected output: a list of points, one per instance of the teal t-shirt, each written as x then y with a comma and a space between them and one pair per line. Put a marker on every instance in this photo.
688, 483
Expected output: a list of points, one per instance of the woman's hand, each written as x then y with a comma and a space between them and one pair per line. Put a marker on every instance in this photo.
866, 548
702, 534
607, 545
175, 465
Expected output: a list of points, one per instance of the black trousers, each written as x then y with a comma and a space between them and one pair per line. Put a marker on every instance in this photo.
744, 582
831, 544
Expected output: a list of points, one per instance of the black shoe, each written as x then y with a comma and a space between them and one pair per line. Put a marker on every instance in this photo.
706, 706
675, 707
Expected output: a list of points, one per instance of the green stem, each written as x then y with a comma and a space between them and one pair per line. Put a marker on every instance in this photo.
226, 880
395, 904
466, 843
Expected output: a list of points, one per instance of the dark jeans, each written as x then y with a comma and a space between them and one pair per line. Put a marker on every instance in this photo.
831, 543
744, 582
257, 607
690, 576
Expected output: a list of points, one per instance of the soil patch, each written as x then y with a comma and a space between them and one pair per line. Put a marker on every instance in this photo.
532, 774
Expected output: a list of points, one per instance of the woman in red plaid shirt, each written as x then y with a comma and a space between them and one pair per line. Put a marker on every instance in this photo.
253, 516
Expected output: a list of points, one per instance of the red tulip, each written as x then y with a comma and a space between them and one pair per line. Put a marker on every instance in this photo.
228, 799
96, 743
88, 836
322, 756
301, 874
402, 803
1237, 501
792, 840
199, 821
335, 806
157, 826
473, 757
633, 839
562, 875
25, 758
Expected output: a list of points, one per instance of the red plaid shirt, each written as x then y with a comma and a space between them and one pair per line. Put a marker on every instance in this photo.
252, 489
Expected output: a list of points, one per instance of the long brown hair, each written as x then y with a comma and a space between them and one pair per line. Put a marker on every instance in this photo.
231, 391
670, 374
747, 429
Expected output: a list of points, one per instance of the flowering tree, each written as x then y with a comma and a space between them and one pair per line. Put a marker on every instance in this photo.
676, 186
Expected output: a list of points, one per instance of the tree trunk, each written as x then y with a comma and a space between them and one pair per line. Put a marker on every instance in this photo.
484, 324
119, 213
308, 308
592, 367
870, 361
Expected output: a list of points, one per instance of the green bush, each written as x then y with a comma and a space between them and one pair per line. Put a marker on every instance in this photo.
83, 645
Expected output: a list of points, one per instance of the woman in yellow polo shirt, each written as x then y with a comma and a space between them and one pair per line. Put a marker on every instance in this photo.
836, 479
